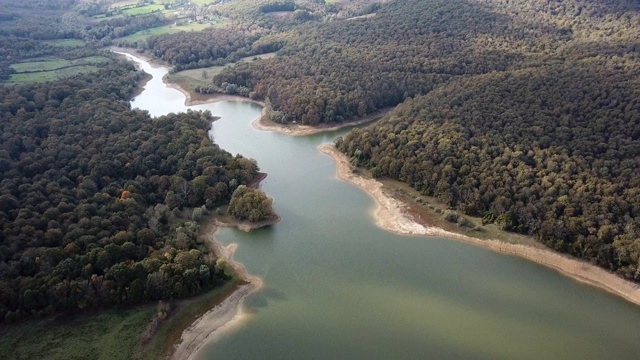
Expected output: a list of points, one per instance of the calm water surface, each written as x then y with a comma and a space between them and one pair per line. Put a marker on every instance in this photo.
338, 287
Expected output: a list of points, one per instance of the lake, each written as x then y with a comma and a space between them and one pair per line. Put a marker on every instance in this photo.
338, 287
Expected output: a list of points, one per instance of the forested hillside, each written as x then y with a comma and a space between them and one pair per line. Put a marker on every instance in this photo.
210, 47
335, 71
91, 193
548, 148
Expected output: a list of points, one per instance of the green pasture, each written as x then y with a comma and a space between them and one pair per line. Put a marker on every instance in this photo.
170, 29
112, 334
125, 3
141, 10
65, 42
53, 69
202, 77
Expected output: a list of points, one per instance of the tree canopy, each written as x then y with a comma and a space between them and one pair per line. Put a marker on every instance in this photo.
91, 192
250, 204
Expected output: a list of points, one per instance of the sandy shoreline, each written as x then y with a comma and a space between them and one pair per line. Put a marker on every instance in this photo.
208, 98
228, 313
261, 123
264, 124
224, 316
390, 215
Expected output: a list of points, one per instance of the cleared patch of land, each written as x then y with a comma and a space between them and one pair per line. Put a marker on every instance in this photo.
49, 75
141, 10
280, 14
125, 3
190, 79
367, 16
109, 334
170, 29
53, 64
52, 69
65, 42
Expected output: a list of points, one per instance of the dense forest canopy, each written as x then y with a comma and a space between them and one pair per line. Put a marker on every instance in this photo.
549, 147
89, 190
202, 49
250, 204
522, 112
334, 71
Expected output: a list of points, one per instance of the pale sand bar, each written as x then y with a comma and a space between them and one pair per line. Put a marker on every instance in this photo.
264, 124
223, 317
390, 215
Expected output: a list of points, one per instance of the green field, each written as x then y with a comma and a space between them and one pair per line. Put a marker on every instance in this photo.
169, 29
106, 334
143, 9
52, 69
124, 3
65, 42
109, 334
53, 64
194, 77
49, 75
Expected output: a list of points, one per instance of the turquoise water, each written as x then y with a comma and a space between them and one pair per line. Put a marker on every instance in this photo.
338, 287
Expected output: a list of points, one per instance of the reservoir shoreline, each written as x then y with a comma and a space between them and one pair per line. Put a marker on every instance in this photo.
228, 311
390, 215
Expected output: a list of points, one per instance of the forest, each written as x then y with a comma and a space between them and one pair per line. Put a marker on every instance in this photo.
330, 72
547, 149
99, 203
522, 113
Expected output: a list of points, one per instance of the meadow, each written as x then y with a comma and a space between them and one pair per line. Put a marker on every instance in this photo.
52, 69
141, 10
192, 78
65, 42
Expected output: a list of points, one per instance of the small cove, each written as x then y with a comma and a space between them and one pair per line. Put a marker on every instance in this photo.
336, 286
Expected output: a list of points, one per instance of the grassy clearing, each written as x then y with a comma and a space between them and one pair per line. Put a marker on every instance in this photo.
190, 79
50, 75
167, 29
185, 314
53, 69
40, 65
108, 334
111, 334
54, 64
66, 42
143, 9
98, 18
194, 77
119, 4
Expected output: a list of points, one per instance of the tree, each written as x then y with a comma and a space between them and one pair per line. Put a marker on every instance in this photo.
250, 204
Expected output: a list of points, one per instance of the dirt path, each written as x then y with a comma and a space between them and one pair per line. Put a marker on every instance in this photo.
390, 215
